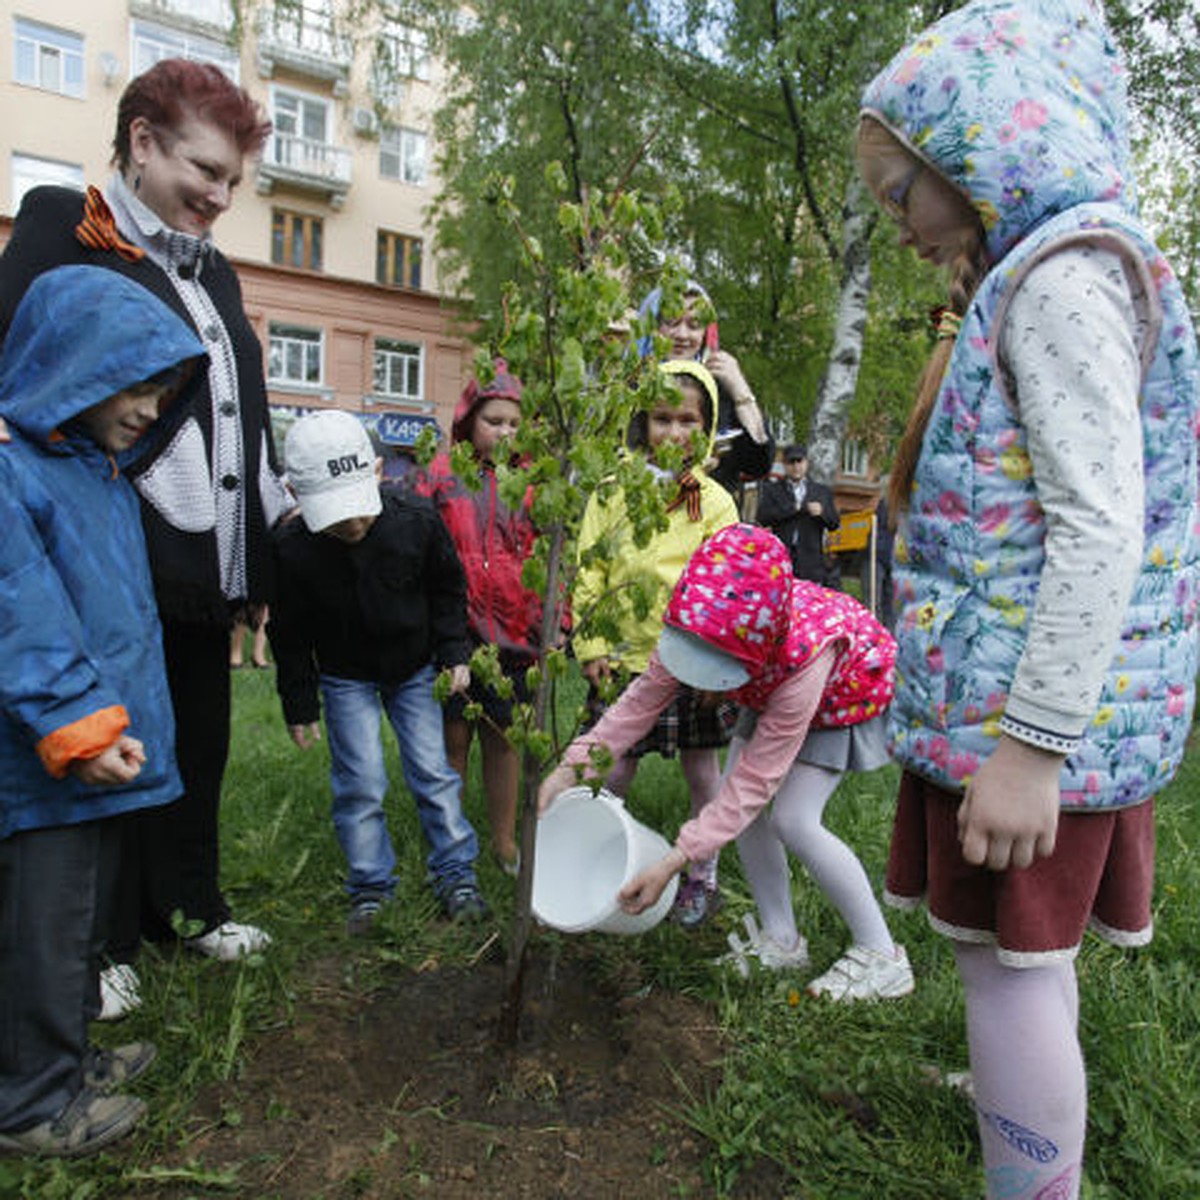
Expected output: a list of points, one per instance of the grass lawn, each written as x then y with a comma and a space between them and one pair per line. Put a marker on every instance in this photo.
834, 1096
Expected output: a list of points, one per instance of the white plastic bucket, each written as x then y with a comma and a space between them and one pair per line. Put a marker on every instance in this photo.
588, 848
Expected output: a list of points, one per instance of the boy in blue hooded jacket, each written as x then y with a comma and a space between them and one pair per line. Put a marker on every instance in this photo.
86, 732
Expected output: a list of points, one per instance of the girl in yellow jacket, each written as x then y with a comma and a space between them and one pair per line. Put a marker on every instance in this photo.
639, 581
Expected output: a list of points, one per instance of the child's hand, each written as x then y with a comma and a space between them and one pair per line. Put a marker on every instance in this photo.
644, 889
305, 735
119, 763
5, 436
557, 781
597, 671
1009, 815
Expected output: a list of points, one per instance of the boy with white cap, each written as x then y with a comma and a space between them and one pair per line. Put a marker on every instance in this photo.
372, 603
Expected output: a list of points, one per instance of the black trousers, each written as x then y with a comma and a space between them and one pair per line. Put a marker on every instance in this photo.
170, 857
56, 888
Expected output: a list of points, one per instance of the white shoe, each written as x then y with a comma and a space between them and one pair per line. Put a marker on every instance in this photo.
765, 950
230, 941
863, 974
120, 992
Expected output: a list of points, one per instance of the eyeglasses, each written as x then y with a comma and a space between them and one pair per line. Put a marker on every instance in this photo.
895, 200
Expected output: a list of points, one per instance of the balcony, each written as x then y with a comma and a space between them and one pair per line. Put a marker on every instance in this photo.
209, 17
307, 164
303, 39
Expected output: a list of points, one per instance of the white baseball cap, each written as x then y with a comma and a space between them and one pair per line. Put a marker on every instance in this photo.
331, 467
700, 665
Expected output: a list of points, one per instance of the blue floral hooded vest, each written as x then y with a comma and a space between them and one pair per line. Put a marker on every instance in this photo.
1022, 107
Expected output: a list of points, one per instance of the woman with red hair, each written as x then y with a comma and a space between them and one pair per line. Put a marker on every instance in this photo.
209, 484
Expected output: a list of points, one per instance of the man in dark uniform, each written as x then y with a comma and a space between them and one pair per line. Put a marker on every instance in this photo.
799, 511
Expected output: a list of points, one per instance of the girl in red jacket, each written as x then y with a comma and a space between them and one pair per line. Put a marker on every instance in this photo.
493, 542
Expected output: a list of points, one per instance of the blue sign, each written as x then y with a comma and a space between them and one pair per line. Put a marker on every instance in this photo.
402, 429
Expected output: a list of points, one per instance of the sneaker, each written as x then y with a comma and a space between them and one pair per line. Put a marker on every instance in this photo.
120, 992
962, 1083
364, 912
463, 902
695, 902
765, 950
88, 1124
105, 1071
863, 974
230, 941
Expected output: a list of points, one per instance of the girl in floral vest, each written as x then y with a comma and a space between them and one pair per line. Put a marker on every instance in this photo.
1046, 553
812, 670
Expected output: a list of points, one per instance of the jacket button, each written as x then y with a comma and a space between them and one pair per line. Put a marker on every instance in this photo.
212, 333
229, 409
229, 482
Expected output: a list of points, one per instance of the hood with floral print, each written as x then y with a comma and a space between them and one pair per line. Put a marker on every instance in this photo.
1021, 106
736, 595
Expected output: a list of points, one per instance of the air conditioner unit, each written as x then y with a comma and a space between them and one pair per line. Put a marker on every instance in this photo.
366, 123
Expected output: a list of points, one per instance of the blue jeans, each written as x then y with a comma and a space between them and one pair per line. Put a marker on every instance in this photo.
359, 781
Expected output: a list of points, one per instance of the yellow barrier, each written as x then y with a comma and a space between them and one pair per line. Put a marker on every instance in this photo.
854, 533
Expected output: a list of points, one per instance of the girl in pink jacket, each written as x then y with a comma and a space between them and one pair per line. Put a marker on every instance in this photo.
812, 671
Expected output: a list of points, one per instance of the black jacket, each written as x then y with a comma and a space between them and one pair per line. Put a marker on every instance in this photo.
183, 564
379, 610
743, 458
798, 529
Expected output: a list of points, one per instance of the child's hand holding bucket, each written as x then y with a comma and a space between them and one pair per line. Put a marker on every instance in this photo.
558, 781
645, 888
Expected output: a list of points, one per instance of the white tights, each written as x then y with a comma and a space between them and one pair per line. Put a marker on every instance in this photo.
1028, 1074
792, 821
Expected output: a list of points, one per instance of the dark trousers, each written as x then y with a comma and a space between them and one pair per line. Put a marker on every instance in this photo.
170, 859
56, 887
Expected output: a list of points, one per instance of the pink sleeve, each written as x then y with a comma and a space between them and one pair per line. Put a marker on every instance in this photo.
631, 717
763, 762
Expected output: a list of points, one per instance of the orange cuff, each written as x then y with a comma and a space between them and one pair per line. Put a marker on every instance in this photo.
85, 738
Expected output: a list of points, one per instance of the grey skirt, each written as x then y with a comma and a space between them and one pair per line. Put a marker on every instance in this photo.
851, 748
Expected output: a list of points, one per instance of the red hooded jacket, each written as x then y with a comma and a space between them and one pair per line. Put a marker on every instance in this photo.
492, 540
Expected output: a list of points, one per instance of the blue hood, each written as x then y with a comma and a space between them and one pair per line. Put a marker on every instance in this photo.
1021, 106
80, 335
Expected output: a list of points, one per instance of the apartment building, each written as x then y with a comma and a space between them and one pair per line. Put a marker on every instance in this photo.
328, 232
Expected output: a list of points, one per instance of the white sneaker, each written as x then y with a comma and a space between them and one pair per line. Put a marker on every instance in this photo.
765, 950
863, 974
230, 941
120, 992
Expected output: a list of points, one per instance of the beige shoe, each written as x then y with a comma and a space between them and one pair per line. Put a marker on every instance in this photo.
88, 1124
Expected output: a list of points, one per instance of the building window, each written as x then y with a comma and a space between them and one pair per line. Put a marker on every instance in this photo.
296, 240
152, 43
48, 58
855, 459
29, 172
402, 154
398, 259
295, 355
307, 25
399, 369
401, 53
301, 136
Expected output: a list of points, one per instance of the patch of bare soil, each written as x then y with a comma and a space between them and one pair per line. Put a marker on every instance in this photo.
406, 1092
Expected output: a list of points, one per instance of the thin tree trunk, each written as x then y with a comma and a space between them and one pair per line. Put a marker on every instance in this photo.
522, 925
845, 358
